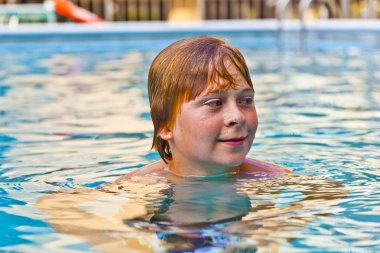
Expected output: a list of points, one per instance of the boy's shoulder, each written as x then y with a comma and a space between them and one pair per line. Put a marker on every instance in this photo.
254, 165
157, 166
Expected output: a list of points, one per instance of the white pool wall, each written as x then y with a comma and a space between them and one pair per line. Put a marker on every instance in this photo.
167, 27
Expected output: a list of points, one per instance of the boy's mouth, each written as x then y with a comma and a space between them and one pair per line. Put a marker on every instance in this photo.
233, 141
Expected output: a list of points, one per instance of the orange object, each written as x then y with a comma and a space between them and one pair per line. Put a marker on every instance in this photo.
74, 12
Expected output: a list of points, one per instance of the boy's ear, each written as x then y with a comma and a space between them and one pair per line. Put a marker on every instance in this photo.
166, 134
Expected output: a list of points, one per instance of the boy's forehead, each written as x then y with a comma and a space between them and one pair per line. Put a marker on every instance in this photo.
224, 85
215, 88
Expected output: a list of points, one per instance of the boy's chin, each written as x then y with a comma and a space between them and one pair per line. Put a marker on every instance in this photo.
235, 162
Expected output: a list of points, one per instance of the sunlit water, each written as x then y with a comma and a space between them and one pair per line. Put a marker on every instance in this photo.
75, 115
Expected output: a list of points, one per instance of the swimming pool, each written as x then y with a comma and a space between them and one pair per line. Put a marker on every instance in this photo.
74, 113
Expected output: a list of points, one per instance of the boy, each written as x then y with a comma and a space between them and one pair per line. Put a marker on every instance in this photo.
202, 107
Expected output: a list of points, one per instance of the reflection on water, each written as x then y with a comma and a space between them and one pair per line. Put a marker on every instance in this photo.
186, 215
75, 115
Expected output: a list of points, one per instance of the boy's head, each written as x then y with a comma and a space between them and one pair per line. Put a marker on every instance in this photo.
184, 70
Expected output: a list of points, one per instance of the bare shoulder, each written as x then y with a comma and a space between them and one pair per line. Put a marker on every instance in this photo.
254, 165
147, 169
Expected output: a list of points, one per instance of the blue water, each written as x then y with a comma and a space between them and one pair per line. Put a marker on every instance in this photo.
74, 113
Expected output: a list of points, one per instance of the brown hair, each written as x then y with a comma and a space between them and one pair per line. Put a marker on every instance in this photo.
184, 70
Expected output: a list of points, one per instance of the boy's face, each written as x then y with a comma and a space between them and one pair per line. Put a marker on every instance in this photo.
215, 131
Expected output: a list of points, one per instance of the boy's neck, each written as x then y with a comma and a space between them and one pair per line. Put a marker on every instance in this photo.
191, 171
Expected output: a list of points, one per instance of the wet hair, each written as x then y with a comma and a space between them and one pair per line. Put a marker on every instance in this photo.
184, 70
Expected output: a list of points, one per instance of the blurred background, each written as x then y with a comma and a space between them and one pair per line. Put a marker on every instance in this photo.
36, 11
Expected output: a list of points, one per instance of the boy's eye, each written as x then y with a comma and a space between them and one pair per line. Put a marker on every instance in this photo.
246, 100
214, 103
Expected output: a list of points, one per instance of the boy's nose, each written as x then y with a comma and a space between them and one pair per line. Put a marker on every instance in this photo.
234, 116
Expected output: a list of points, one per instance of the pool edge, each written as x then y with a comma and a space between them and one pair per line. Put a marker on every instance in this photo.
158, 27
